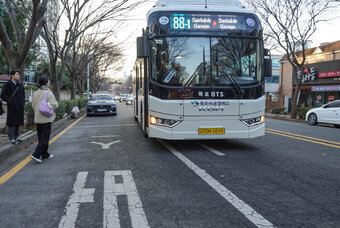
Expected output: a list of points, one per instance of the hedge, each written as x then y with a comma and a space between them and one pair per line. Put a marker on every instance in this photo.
27, 87
279, 110
301, 111
65, 107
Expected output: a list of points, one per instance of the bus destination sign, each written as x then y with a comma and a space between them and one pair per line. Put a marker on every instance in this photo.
210, 22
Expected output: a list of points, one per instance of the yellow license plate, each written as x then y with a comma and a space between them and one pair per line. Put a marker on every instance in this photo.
211, 131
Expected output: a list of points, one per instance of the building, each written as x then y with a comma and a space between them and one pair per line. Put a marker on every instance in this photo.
321, 77
272, 83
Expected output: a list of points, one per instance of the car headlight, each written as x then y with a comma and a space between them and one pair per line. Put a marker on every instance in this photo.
163, 122
253, 121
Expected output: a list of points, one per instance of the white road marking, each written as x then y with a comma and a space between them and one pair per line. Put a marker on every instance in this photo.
128, 188
211, 149
240, 205
80, 195
106, 146
102, 126
105, 136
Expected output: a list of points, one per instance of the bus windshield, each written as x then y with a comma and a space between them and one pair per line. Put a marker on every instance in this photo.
206, 61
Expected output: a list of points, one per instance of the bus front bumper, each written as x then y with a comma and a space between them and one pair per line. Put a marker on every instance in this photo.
189, 130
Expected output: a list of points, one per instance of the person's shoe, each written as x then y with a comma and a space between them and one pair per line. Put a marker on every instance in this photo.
51, 156
36, 159
19, 139
13, 141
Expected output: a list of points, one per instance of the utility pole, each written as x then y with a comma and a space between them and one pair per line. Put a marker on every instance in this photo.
88, 76
88, 71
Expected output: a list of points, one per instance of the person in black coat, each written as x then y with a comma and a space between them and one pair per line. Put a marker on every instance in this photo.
13, 93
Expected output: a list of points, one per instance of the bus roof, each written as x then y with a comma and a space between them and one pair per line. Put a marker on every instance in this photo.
234, 6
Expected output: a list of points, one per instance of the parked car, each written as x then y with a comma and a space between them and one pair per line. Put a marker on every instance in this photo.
123, 97
101, 104
328, 113
129, 100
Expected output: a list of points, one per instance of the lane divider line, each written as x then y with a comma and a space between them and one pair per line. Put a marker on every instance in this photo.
257, 219
211, 149
24, 162
303, 139
321, 140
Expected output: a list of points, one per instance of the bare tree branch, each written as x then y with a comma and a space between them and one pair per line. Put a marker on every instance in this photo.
291, 23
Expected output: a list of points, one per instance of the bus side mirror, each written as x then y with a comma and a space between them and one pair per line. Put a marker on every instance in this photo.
143, 47
267, 63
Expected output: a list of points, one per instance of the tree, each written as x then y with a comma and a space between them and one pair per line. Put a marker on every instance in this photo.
25, 34
93, 51
104, 58
290, 24
81, 17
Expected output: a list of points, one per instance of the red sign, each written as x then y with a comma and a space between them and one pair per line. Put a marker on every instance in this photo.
329, 74
306, 71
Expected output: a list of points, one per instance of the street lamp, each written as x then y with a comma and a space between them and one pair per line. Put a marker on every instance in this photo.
88, 67
88, 75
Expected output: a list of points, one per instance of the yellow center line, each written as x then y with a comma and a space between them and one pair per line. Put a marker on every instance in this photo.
23, 163
287, 133
303, 139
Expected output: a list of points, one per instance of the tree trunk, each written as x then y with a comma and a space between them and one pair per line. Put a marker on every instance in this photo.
55, 81
73, 88
54, 76
16, 64
56, 90
296, 92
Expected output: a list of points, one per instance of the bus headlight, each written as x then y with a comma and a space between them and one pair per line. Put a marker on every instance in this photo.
163, 122
253, 121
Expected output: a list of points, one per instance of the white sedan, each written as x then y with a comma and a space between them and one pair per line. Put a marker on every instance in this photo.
328, 113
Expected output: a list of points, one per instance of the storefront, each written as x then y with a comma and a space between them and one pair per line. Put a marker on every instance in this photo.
320, 83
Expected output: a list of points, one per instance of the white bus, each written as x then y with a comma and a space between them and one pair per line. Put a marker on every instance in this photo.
200, 71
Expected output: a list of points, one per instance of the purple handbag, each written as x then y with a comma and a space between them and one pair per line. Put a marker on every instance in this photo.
44, 109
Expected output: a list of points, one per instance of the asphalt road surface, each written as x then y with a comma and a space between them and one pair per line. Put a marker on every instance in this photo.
106, 174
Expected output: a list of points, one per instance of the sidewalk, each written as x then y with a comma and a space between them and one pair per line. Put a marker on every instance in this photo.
3, 135
282, 117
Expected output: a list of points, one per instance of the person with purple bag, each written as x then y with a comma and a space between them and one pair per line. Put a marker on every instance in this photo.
44, 104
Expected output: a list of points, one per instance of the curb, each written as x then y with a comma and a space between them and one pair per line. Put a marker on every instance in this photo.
285, 118
29, 137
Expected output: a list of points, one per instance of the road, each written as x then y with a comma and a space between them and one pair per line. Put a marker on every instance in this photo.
106, 174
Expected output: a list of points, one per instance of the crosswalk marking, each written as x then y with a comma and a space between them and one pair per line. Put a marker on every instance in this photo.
128, 188
80, 195
112, 189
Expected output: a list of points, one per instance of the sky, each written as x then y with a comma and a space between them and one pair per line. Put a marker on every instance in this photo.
326, 32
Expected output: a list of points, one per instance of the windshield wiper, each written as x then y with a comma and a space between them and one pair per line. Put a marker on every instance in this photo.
237, 88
